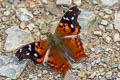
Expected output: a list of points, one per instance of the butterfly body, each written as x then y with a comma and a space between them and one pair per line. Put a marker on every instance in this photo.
61, 48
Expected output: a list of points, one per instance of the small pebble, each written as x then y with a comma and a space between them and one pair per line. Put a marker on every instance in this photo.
109, 75
116, 37
77, 2
22, 25
108, 11
97, 33
45, 72
104, 22
108, 39
11, 1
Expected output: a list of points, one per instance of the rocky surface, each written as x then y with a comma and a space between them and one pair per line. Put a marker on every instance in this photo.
100, 34
11, 67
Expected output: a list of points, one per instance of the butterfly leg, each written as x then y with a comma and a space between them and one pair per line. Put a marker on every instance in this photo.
46, 57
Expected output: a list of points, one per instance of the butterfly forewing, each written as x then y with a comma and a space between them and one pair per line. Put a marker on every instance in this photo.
68, 25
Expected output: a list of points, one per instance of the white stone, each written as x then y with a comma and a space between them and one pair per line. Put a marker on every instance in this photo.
77, 2
108, 11
31, 26
23, 14
108, 39
109, 2
64, 2
104, 22
97, 33
7, 13
117, 21
86, 19
116, 37
11, 68
16, 38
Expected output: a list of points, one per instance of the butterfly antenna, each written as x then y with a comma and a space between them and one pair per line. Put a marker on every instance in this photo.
46, 57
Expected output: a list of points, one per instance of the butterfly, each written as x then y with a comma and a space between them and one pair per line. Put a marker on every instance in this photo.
60, 49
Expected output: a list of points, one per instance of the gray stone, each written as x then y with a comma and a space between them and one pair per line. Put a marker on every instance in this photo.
1, 62
35, 78
78, 66
108, 39
114, 75
108, 11
104, 22
108, 2
117, 21
77, 2
119, 66
98, 60
86, 19
109, 75
102, 27
98, 33
109, 27
16, 38
31, 26
93, 49
39, 75
23, 14
116, 37
94, 2
11, 68
101, 70
115, 66
7, 13
64, 2
11, 1
44, 72
51, 9
45, 1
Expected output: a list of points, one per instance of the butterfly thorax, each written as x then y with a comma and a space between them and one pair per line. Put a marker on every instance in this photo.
54, 41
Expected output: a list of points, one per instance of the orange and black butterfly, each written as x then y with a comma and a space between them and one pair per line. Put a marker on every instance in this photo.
61, 48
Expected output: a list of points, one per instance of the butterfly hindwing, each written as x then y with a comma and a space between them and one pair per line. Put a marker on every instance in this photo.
34, 51
68, 25
57, 62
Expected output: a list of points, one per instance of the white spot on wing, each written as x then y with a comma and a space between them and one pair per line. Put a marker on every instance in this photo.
71, 25
35, 54
70, 10
66, 18
27, 54
72, 18
29, 48
20, 50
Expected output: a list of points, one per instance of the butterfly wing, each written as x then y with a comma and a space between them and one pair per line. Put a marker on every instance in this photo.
75, 47
57, 62
34, 51
68, 25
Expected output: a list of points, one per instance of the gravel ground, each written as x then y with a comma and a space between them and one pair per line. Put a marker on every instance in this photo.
25, 21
